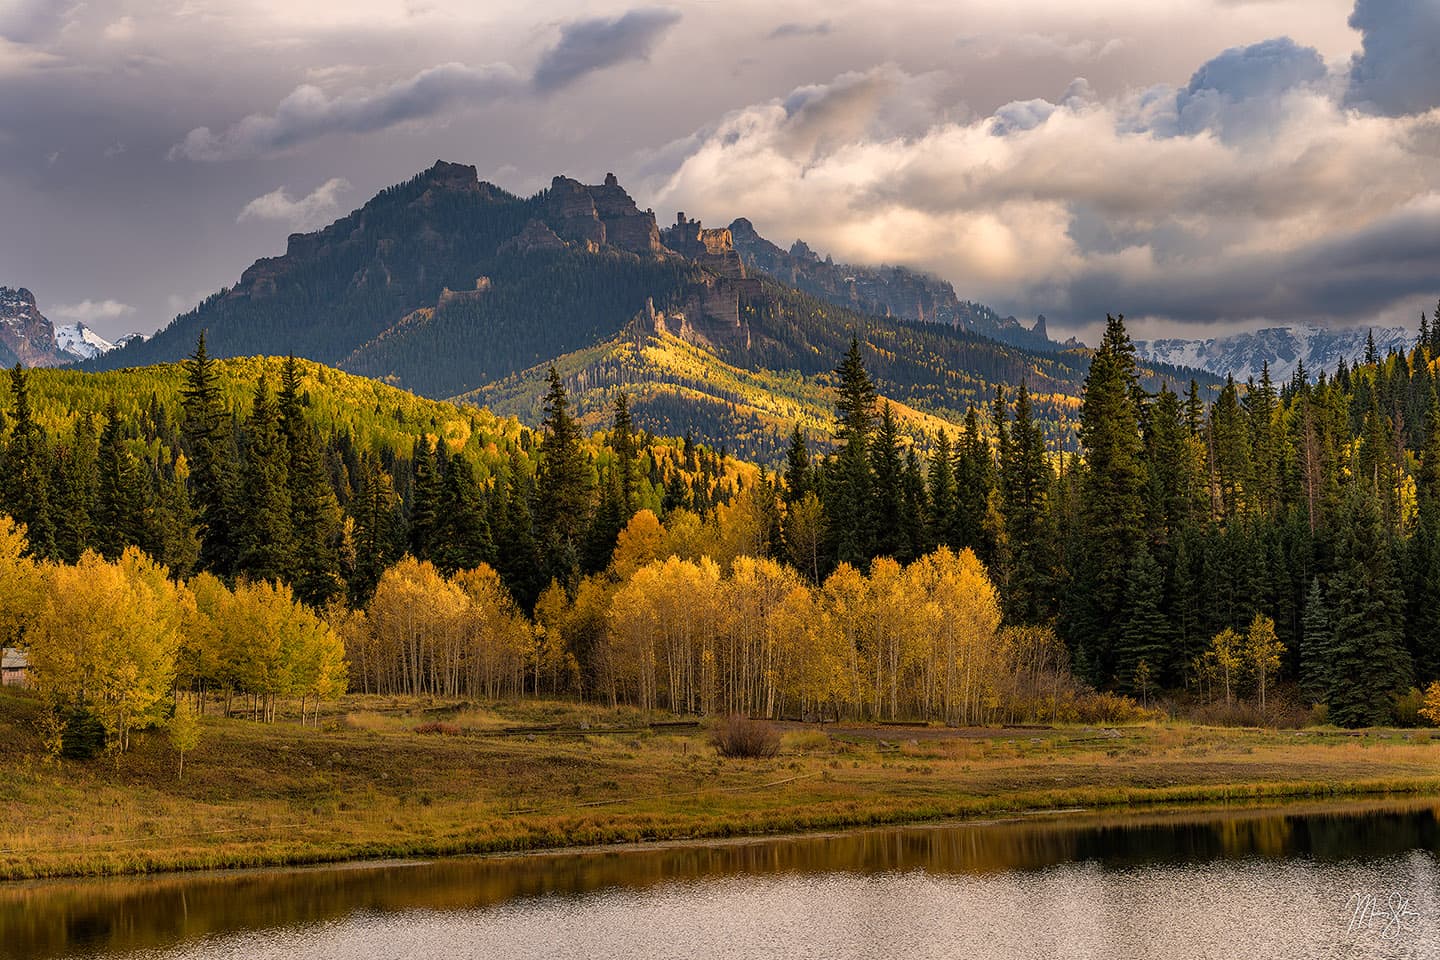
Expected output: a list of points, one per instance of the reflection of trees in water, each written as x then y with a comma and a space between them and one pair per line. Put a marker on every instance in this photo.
113, 916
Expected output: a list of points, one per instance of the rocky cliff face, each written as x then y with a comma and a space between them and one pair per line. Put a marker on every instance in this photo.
600, 215
884, 291
26, 336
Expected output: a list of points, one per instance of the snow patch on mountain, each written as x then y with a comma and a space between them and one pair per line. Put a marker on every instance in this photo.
80, 340
1242, 355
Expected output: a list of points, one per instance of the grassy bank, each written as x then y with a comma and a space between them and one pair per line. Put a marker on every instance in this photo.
536, 775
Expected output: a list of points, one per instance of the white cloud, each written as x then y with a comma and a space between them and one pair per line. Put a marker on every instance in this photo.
90, 312
120, 31
315, 209
1272, 200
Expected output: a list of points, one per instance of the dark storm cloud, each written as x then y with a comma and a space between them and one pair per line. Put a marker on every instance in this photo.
594, 44
309, 113
1350, 277
1397, 71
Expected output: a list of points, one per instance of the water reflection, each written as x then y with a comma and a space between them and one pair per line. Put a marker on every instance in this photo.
1076, 886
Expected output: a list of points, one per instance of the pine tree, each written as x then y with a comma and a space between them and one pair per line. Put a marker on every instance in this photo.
627, 468
887, 470
74, 483
120, 499
1025, 479
1366, 659
462, 538
848, 509
25, 472
941, 483
914, 511
375, 532
563, 486
212, 466
425, 488
974, 482
1145, 637
1317, 634
264, 534
1111, 512
797, 467
315, 522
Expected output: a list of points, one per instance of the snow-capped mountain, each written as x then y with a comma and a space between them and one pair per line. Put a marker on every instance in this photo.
81, 341
1242, 355
28, 337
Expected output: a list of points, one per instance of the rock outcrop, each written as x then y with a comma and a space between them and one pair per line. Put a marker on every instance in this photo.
601, 215
713, 249
25, 335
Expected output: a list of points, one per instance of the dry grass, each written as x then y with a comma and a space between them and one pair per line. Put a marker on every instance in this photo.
366, 784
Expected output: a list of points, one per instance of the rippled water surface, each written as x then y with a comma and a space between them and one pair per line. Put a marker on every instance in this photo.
1314, 882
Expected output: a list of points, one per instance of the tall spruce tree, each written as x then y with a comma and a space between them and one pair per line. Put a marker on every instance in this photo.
25, 473
1146, 635
1026, 480
797, 467
120, 498
264, 533
1111, 511
462, 531
627, 465
1366, 660
887, 468
209, 447
848, 509
563, 487
940, 482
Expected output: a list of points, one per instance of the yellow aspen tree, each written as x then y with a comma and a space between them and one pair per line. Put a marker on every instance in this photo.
19, 581
1263, 651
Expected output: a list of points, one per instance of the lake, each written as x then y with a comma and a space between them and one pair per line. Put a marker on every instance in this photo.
1360, 880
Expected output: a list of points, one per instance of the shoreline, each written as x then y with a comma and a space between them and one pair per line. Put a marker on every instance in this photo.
1148, 806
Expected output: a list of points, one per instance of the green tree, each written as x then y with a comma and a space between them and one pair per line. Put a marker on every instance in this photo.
563, 486
1111, 510
265, 535
209, 447
120, 501
1146, 634
1366, 659
1026, 478
462, 531
25, 470
849, 514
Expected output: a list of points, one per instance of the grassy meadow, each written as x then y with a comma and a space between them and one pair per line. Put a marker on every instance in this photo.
384, 777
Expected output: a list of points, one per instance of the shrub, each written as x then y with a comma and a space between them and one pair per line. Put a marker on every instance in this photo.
743, 738
83, 737
435, 726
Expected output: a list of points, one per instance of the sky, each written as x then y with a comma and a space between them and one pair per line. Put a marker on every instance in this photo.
1201, 166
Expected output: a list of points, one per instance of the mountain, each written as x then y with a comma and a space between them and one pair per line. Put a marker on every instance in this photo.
450, 286
81, 342
26, 336
1242, 355
884, 291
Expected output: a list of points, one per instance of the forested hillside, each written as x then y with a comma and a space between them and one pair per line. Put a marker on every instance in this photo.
747, 386
449, 286
1277, 546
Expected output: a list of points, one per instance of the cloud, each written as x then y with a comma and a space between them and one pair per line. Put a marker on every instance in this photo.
599, 42
785, 30
315, 209
32, 21
90, 312
309, 113
1397, 70
1138, 203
